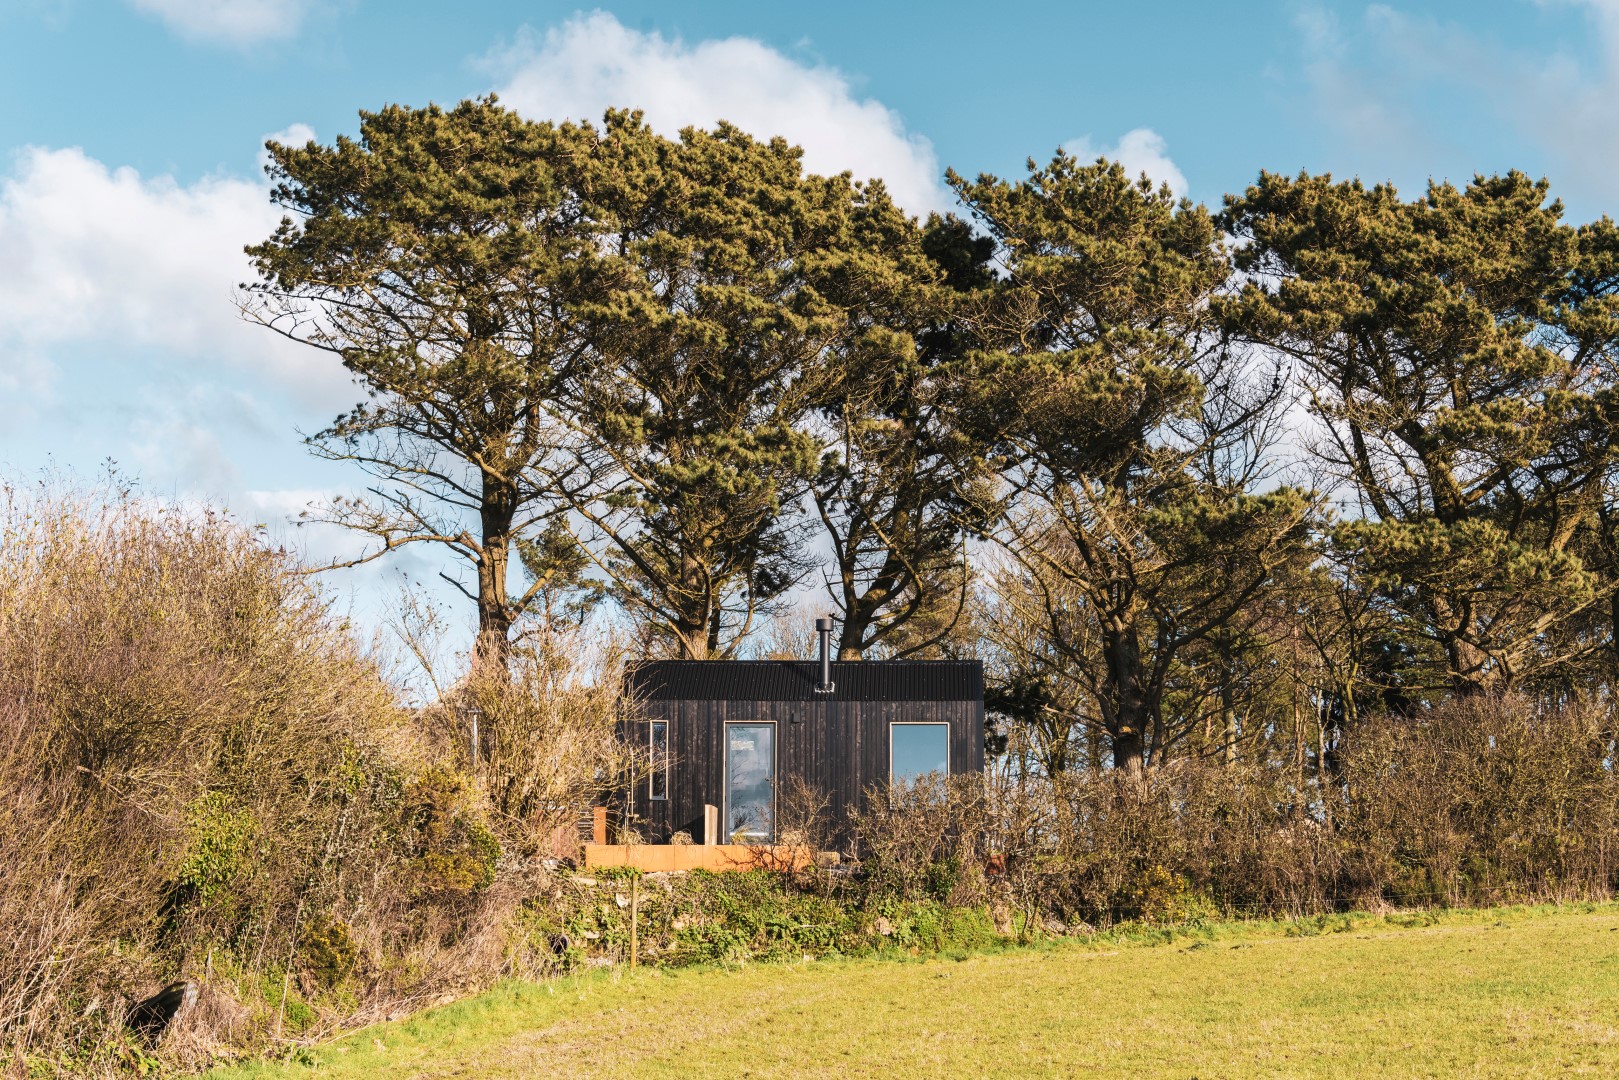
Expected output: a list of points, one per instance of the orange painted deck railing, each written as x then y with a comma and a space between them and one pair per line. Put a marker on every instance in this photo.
667, 858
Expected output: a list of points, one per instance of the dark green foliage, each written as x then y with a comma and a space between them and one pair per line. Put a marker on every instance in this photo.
442, 256
903, 483
557, 567
1127, 437
756, 915
452, 852
1458, 350
219, 846
329, 952
735, 276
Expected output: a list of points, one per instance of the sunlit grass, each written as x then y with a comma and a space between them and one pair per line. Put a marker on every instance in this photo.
1513, 992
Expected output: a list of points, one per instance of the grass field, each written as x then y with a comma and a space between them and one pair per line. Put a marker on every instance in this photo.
1513, 992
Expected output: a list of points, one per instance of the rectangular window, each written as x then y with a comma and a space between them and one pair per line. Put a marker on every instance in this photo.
915, 750
658, 751
750, 783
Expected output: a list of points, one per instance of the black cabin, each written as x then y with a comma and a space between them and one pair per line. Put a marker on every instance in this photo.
728, 732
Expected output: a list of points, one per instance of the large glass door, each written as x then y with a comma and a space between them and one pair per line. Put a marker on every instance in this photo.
750, 782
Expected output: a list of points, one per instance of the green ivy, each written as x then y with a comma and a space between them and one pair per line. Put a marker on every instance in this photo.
220, 840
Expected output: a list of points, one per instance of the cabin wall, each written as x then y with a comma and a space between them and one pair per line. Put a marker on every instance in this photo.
839, 747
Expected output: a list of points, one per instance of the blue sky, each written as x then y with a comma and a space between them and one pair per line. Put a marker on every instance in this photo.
130, 137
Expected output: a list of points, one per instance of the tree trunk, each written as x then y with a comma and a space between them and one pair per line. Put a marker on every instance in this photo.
1330, 724
1129, 752
493, 645
860, 610
694, 622
852, 628
492, 648
1228, 723
711, 645
1465, 660
1613, 627
691, 638
1467, 677
1129, 714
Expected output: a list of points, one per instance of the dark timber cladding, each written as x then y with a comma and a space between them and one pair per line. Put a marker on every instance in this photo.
838, 742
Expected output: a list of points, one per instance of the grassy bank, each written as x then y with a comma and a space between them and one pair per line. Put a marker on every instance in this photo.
1511, 992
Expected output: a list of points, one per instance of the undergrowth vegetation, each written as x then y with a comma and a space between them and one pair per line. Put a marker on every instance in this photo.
203, 778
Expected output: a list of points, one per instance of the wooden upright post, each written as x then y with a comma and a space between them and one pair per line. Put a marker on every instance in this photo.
635, 918
711, 824
598, 825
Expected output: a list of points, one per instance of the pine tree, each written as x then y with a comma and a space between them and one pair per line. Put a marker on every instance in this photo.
1453, 349
1132, 516
442, 256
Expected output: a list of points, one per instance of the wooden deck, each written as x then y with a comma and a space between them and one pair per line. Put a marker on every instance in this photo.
665, 858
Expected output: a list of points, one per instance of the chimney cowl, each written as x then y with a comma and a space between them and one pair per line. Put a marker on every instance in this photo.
823, 631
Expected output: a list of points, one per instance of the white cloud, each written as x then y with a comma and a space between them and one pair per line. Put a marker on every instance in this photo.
229, 22
182, 435
168, 446
1386, 85
107, 258
292, 135
119, 341
288, 514
593, 62
1142, 150
1351, 100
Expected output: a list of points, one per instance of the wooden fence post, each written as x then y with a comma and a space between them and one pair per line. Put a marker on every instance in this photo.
635, 918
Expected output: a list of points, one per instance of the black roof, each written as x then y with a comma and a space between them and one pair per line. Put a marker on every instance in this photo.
794, 680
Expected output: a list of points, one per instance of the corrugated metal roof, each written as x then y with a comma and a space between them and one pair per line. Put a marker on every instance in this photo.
794, 680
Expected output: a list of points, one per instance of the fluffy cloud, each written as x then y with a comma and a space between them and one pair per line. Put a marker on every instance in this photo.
109, 259
292, 135
229, 22
119, 340
593, 62
1140, 151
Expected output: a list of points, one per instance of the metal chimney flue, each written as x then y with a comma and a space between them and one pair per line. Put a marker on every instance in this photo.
823, 631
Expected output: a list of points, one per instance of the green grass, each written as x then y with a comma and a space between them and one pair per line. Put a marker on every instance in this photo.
1512, 992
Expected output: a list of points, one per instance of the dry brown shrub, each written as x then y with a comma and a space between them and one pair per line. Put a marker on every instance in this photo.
927, 837
1481, 801
549, 739
803, 815
1486, 800
150, 657
197, 766
1195, 838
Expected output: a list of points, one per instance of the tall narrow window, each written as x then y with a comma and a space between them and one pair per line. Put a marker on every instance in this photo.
658, 751
915, 750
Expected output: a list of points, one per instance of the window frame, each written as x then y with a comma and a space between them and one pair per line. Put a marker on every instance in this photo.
660, 768
892, 724
725, 776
